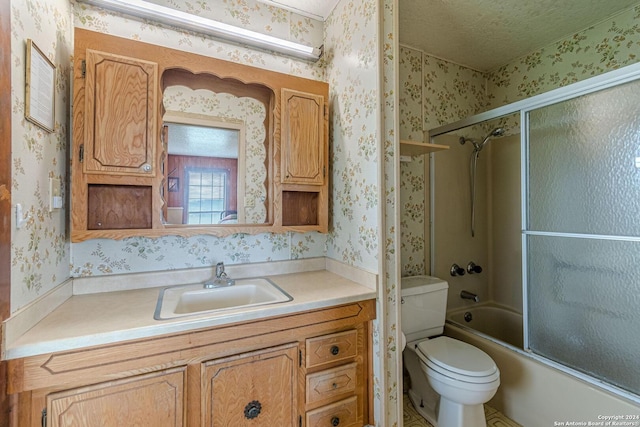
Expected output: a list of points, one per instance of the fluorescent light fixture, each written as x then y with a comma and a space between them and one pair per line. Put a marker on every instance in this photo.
187, 21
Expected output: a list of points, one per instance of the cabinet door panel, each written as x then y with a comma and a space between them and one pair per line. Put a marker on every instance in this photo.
149, 400
121, 115
303, 139
253, 390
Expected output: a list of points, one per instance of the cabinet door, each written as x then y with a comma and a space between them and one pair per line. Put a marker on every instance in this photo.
303, 139
252, 390
120, 124
148, 400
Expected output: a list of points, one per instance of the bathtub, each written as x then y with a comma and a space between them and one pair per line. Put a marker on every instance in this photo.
492, 321
532, 391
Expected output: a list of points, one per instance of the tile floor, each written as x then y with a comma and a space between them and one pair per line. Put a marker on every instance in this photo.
413, 419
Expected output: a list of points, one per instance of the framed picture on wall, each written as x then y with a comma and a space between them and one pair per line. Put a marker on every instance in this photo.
40, 88
173, 184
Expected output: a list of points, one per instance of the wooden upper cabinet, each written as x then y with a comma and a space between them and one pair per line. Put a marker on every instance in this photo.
121, 107
303, 138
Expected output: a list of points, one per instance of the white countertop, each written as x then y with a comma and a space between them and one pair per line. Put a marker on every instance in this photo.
102, 318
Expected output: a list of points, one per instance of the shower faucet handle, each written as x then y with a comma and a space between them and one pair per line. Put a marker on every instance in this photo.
473, 268
456, 270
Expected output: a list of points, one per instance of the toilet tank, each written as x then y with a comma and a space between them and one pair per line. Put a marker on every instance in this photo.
424, 306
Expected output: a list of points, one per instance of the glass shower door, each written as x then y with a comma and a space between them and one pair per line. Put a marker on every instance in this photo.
582, 234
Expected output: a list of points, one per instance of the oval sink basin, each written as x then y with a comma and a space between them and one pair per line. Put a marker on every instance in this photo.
186, 300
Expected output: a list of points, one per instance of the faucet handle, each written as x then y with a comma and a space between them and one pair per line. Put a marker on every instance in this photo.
456, 270
220, 270
473, 268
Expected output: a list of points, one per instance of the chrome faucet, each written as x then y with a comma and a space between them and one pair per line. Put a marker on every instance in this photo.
220, 280
220, 270
469, 295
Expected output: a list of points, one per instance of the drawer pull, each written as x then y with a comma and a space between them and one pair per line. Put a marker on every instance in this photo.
252, 409
335, 421
335, 350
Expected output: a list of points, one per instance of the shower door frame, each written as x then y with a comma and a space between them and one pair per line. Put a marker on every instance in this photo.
607, 80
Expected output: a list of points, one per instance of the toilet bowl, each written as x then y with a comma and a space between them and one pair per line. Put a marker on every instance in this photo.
449, 388
464, 376
450, 379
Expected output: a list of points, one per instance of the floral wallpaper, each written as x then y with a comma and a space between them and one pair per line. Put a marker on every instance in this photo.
433, 92
390, 351
252, 113
40, 252
448, 92
351, 55
607, 46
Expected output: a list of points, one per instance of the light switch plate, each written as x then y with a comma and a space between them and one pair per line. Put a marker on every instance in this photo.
55, 194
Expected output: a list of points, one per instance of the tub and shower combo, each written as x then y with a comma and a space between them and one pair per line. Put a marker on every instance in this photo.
540, 201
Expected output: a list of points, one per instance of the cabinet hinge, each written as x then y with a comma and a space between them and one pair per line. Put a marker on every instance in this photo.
84, 68
44, 417
81, 155
324, 171
299, 357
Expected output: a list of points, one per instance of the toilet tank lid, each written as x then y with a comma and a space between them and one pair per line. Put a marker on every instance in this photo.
415, 285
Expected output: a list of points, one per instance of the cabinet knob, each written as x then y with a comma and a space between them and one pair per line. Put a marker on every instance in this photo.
335, 421
146, 167
335, 350
252, 409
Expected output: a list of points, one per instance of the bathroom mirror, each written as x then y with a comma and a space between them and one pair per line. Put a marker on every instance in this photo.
215, 135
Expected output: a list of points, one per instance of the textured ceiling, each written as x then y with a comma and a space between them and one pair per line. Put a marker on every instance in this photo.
481, 34
485, 34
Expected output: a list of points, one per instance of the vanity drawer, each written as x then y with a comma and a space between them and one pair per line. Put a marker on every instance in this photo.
341, 414
327, 385
331, 348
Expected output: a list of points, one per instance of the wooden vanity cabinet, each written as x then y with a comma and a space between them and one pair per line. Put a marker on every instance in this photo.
309, 369
150, 400
335, 391
254, 388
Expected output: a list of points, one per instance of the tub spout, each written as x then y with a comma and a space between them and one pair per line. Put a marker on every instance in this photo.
469, 295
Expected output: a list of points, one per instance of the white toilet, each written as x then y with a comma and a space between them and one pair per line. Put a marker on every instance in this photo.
450, 379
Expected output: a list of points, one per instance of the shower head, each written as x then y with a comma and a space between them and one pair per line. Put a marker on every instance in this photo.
497, 132
478, 147
493, 133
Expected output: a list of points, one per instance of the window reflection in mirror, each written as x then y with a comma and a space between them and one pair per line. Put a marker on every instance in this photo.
202, 188
215, 144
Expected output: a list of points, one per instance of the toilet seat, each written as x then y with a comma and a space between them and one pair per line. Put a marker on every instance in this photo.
458, 360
